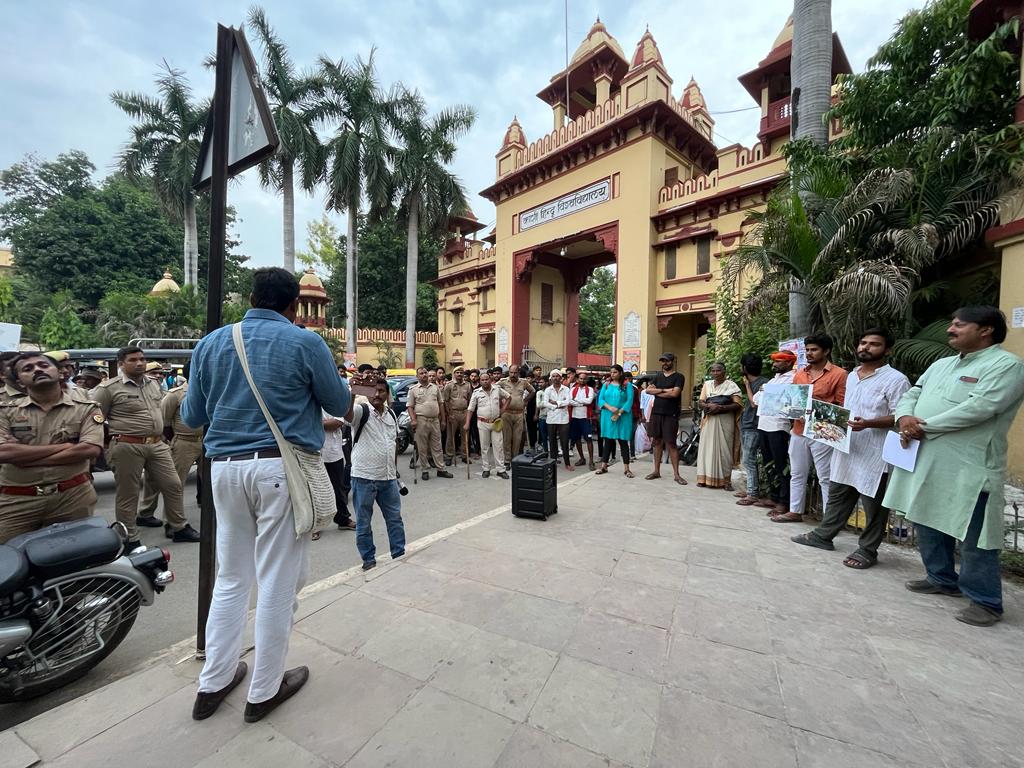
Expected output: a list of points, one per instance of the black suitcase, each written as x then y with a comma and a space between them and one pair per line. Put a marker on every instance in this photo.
534, 485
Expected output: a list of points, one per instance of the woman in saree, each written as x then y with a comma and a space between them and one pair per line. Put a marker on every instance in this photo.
615, 403
719, 430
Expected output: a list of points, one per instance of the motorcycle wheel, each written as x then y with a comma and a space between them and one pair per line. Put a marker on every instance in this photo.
403, 443
91, 616
688, 450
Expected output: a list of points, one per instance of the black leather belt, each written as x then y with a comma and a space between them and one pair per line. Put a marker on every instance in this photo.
262, 453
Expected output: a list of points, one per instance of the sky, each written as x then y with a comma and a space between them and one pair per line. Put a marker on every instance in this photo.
63, 59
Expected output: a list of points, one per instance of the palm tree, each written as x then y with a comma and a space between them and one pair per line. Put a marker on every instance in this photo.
290, 95
812, 98
357, 157
165, 144
859, 248
427, 190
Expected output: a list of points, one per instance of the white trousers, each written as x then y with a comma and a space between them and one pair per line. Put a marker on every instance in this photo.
493, 441
802, 451
255, 543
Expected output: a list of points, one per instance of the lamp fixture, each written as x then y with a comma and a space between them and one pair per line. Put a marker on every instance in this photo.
562, 251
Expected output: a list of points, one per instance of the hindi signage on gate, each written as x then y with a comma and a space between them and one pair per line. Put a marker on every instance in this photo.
566, 205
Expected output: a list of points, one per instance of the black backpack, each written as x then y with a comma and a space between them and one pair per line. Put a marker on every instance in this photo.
363, 417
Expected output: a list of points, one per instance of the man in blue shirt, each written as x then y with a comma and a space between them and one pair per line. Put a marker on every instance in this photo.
296, 375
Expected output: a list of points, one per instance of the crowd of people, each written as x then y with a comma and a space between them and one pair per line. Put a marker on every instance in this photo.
56, 422
959, 413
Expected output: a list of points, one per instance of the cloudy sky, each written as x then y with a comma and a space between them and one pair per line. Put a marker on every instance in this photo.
63, 60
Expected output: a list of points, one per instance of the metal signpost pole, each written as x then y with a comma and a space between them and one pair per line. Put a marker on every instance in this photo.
214, 306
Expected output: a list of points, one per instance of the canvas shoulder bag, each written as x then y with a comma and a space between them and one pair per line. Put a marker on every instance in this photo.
312, 496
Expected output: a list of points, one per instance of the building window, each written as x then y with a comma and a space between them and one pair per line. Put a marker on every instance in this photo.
483, 299
457, 322
670, 262
671, 175
703, 255
547, 302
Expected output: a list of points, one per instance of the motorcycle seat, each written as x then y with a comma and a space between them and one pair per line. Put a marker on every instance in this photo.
13, 570
65, 548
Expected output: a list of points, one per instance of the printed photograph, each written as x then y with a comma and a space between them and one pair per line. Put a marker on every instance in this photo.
786, 401
829, 424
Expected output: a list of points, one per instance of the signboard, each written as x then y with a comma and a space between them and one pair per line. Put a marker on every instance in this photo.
252, 135
631, 330
796, 346
10, 337
631, 361
503, 358
503, 342
350, 359
1017, 317
566, 205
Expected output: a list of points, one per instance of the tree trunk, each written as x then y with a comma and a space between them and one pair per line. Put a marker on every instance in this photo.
412, 264
811, 99
288, 196
351, 280
191, 245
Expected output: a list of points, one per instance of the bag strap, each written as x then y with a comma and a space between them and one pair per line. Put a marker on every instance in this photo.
236, 335
362, 422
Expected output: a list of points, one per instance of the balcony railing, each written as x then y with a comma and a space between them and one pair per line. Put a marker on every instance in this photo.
779, 114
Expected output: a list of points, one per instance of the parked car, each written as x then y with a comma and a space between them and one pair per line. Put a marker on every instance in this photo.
400, 391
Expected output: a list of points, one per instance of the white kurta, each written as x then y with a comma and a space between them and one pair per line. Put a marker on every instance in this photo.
873, 397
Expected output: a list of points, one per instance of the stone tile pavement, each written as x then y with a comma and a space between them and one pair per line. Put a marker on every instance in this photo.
645, 625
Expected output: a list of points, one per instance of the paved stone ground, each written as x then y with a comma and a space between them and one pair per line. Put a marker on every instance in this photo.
645, 625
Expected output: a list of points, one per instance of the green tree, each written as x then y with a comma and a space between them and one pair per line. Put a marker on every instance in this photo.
931, 77
597, 312
61, 326
428, 191
7, 308
33, 185
322, 246
358, 153
291, 95
429, 358
84, 244
165, 145
382, 258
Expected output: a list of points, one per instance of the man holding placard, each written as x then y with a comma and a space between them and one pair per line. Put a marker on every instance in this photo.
829, 386
961, 410
872, 391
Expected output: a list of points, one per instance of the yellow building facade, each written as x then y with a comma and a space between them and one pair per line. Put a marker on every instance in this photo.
629, 176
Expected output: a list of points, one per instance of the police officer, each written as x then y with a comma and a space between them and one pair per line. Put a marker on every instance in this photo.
425, 417
11, 389
88, 377
48, 437
186, 447
131, 403
65, 366
456, 396
514, 418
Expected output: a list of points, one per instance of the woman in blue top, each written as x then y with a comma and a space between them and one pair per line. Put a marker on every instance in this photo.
615, 402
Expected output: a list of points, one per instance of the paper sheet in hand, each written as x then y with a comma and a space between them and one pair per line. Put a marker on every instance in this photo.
894, 453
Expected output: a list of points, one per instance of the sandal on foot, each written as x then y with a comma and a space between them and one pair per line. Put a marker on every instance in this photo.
806, 540
653, 476
628, 473
788, 517
858, 561
602, 471
747, 501
316, 536
702, 485
681, 481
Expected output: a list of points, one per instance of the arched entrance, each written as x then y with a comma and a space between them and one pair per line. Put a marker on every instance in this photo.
546, 291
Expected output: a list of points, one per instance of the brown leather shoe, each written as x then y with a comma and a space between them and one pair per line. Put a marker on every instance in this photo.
207, 703
292, 681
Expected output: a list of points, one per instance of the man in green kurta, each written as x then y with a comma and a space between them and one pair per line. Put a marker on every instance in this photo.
961, 410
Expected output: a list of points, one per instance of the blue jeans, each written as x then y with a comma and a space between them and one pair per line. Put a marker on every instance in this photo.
979, 577
751, 441
542, 427
385, 493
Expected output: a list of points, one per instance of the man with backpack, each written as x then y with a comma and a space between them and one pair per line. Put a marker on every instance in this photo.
375, 474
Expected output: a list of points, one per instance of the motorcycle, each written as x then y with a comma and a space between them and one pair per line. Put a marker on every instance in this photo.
69, 594
689, 444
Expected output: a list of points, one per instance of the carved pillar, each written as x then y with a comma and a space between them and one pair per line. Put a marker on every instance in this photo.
558, 111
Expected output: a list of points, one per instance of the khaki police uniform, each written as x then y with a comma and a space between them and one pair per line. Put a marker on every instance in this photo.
186, 446
136, 425
456, 400
34, 497
425, 402
514, 420
9, 393
487, 407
